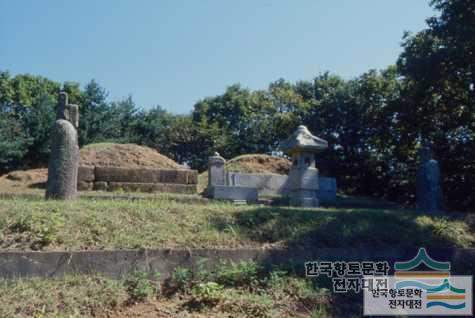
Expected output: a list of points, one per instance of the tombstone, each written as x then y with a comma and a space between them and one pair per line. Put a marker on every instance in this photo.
303, 176
216, 172
428, 189
64, 158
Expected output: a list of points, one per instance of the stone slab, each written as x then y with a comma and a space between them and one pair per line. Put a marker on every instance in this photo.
85, 186
100, 186
152, 187
233, 193
266, 184
86, 174
271, 185
143, 175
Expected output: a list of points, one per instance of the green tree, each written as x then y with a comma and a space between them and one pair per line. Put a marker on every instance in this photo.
438, 68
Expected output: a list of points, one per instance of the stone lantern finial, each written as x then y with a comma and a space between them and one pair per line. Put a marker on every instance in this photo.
303, 140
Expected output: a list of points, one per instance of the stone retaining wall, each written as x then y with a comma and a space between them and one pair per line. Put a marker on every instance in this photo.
122, 262
137, 179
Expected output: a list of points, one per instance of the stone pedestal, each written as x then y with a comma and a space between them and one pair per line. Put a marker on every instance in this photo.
303, 184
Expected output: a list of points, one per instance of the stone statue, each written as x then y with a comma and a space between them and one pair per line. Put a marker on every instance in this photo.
64, 158
428, 189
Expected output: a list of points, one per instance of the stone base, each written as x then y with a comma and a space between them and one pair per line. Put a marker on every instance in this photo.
85, 186
304, 202
304, 198
152, 187
247, 194
144, 175
305, 179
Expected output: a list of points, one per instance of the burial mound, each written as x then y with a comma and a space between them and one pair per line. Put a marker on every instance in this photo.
104, 155
257, 163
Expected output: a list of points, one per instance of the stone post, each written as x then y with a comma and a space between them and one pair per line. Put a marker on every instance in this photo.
428, 189
216, 171
64, 158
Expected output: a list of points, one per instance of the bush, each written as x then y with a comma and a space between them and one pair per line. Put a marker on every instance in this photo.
140, 287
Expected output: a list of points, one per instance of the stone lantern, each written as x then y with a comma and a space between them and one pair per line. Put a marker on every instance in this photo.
303, 176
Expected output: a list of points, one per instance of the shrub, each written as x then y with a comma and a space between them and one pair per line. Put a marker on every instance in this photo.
181, 278
140, 287
244, 273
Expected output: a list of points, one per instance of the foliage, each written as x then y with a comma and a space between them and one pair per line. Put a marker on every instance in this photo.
182, 278
140, 287
237, 274
209, 293
96, 296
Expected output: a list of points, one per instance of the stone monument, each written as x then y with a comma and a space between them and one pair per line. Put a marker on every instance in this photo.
64, 158
216, 172
428, 189
303, 176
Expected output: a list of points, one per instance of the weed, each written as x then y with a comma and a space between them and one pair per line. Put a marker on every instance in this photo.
181, 278
244, 273
202, 273
209, 293
140, 287
40, 229
276, 280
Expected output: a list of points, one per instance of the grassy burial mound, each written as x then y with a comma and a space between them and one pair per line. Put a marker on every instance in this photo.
125, 156
257, 163
96, 155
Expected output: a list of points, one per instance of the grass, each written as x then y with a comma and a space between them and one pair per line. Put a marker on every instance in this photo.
70, 296
244, 289
36, 224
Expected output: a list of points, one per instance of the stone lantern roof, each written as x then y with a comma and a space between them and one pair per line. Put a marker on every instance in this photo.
302, 140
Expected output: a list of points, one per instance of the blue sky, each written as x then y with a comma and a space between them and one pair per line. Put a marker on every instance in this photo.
175, 52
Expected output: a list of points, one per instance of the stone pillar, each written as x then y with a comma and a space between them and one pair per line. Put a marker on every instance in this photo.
64, 158
428, 189
216, 171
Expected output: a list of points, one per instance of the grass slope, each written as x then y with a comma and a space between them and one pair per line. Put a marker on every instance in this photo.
35, 224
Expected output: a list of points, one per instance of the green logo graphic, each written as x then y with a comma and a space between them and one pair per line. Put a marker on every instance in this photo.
422, 258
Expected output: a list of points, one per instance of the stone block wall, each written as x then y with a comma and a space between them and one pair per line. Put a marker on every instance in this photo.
271, 185
137, 179
266, 184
